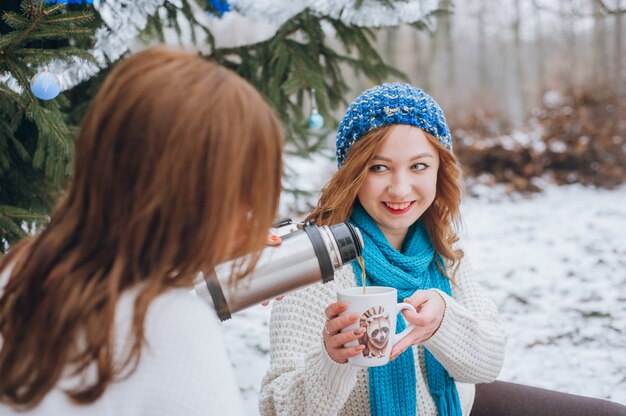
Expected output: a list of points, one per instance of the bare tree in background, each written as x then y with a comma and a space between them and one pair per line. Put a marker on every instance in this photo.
391, 45
483, 68
441, 62
618, 75
449, 47
520, 72
600, 61
539, 52
570, 67
496, 60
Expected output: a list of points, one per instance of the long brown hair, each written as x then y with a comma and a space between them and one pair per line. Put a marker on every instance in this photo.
177, 168
440, 219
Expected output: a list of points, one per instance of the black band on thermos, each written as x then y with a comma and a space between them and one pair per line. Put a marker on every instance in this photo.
219, 300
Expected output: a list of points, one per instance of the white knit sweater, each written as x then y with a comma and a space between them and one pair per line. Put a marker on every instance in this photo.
183, 370
303, 379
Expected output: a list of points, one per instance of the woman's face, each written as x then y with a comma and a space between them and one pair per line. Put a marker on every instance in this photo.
401, 181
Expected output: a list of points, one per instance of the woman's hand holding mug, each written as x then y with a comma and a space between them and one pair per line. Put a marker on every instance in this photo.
334, 339
370, 326
430, 308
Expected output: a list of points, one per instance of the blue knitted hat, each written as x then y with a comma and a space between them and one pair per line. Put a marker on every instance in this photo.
386, 105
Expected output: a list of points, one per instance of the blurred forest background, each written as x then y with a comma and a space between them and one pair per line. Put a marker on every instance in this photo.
534, 90
531, 89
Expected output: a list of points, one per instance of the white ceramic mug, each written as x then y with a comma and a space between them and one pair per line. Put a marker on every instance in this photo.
378, 309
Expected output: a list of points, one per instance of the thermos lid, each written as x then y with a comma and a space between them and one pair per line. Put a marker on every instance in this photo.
349, 241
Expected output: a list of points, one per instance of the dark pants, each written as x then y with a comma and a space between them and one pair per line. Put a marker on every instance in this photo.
508, 399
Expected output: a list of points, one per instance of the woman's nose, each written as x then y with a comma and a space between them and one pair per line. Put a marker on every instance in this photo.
399, 187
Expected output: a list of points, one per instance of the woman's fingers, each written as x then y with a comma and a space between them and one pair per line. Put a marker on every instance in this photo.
418, 297
399, 348
334, 339
335, 309
343, 354
344, 337
273, 240
417, 319
415, 337
335, 325
430, 307
267, 302
336, 349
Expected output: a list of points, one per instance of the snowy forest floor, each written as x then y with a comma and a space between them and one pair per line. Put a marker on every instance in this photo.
554, 263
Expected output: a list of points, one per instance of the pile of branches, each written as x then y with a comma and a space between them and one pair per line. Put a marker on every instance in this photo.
577, 138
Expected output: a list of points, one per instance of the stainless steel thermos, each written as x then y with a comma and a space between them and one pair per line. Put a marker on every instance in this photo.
307, 255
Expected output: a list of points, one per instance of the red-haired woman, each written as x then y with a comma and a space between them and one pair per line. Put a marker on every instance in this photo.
177, 169
399, 183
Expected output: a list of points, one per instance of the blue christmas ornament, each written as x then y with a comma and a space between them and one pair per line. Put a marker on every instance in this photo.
220, 6
45, 85
69, 1
315, 121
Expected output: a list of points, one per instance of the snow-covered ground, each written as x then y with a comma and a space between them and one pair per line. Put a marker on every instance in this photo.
554, 263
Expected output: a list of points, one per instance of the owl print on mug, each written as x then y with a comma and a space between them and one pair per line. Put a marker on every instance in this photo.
376, 336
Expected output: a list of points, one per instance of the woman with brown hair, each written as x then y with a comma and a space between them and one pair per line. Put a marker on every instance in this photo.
399, 183
177, 169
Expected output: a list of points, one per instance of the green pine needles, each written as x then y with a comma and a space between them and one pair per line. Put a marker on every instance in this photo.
308, 52
36, 141
299, 58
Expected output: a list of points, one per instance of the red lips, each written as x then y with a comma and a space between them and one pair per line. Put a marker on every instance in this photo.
398, 211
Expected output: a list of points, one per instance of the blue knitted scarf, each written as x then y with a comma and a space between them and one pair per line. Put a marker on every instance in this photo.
392, 386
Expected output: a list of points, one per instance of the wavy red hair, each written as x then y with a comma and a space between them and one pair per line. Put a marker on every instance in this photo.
177, 168
441, 219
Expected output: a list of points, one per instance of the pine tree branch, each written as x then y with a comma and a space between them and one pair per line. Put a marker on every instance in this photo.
43, 25
296, 59
73, 18
15, 21
54, 147
36, 140
55, 34
156, 25
37, 55
48, 10
19, 148
19, 74
21, 38
8, 228
19, 213
15, 98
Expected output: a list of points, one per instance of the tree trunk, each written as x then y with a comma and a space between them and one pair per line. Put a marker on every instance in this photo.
618, 74
438, 64
567, 60
599, 41
540, 56
520, 102
420, 59
391, 43
482, 49
451, 64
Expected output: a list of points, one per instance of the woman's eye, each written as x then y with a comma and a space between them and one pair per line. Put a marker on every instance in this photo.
378, 168
419, 166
